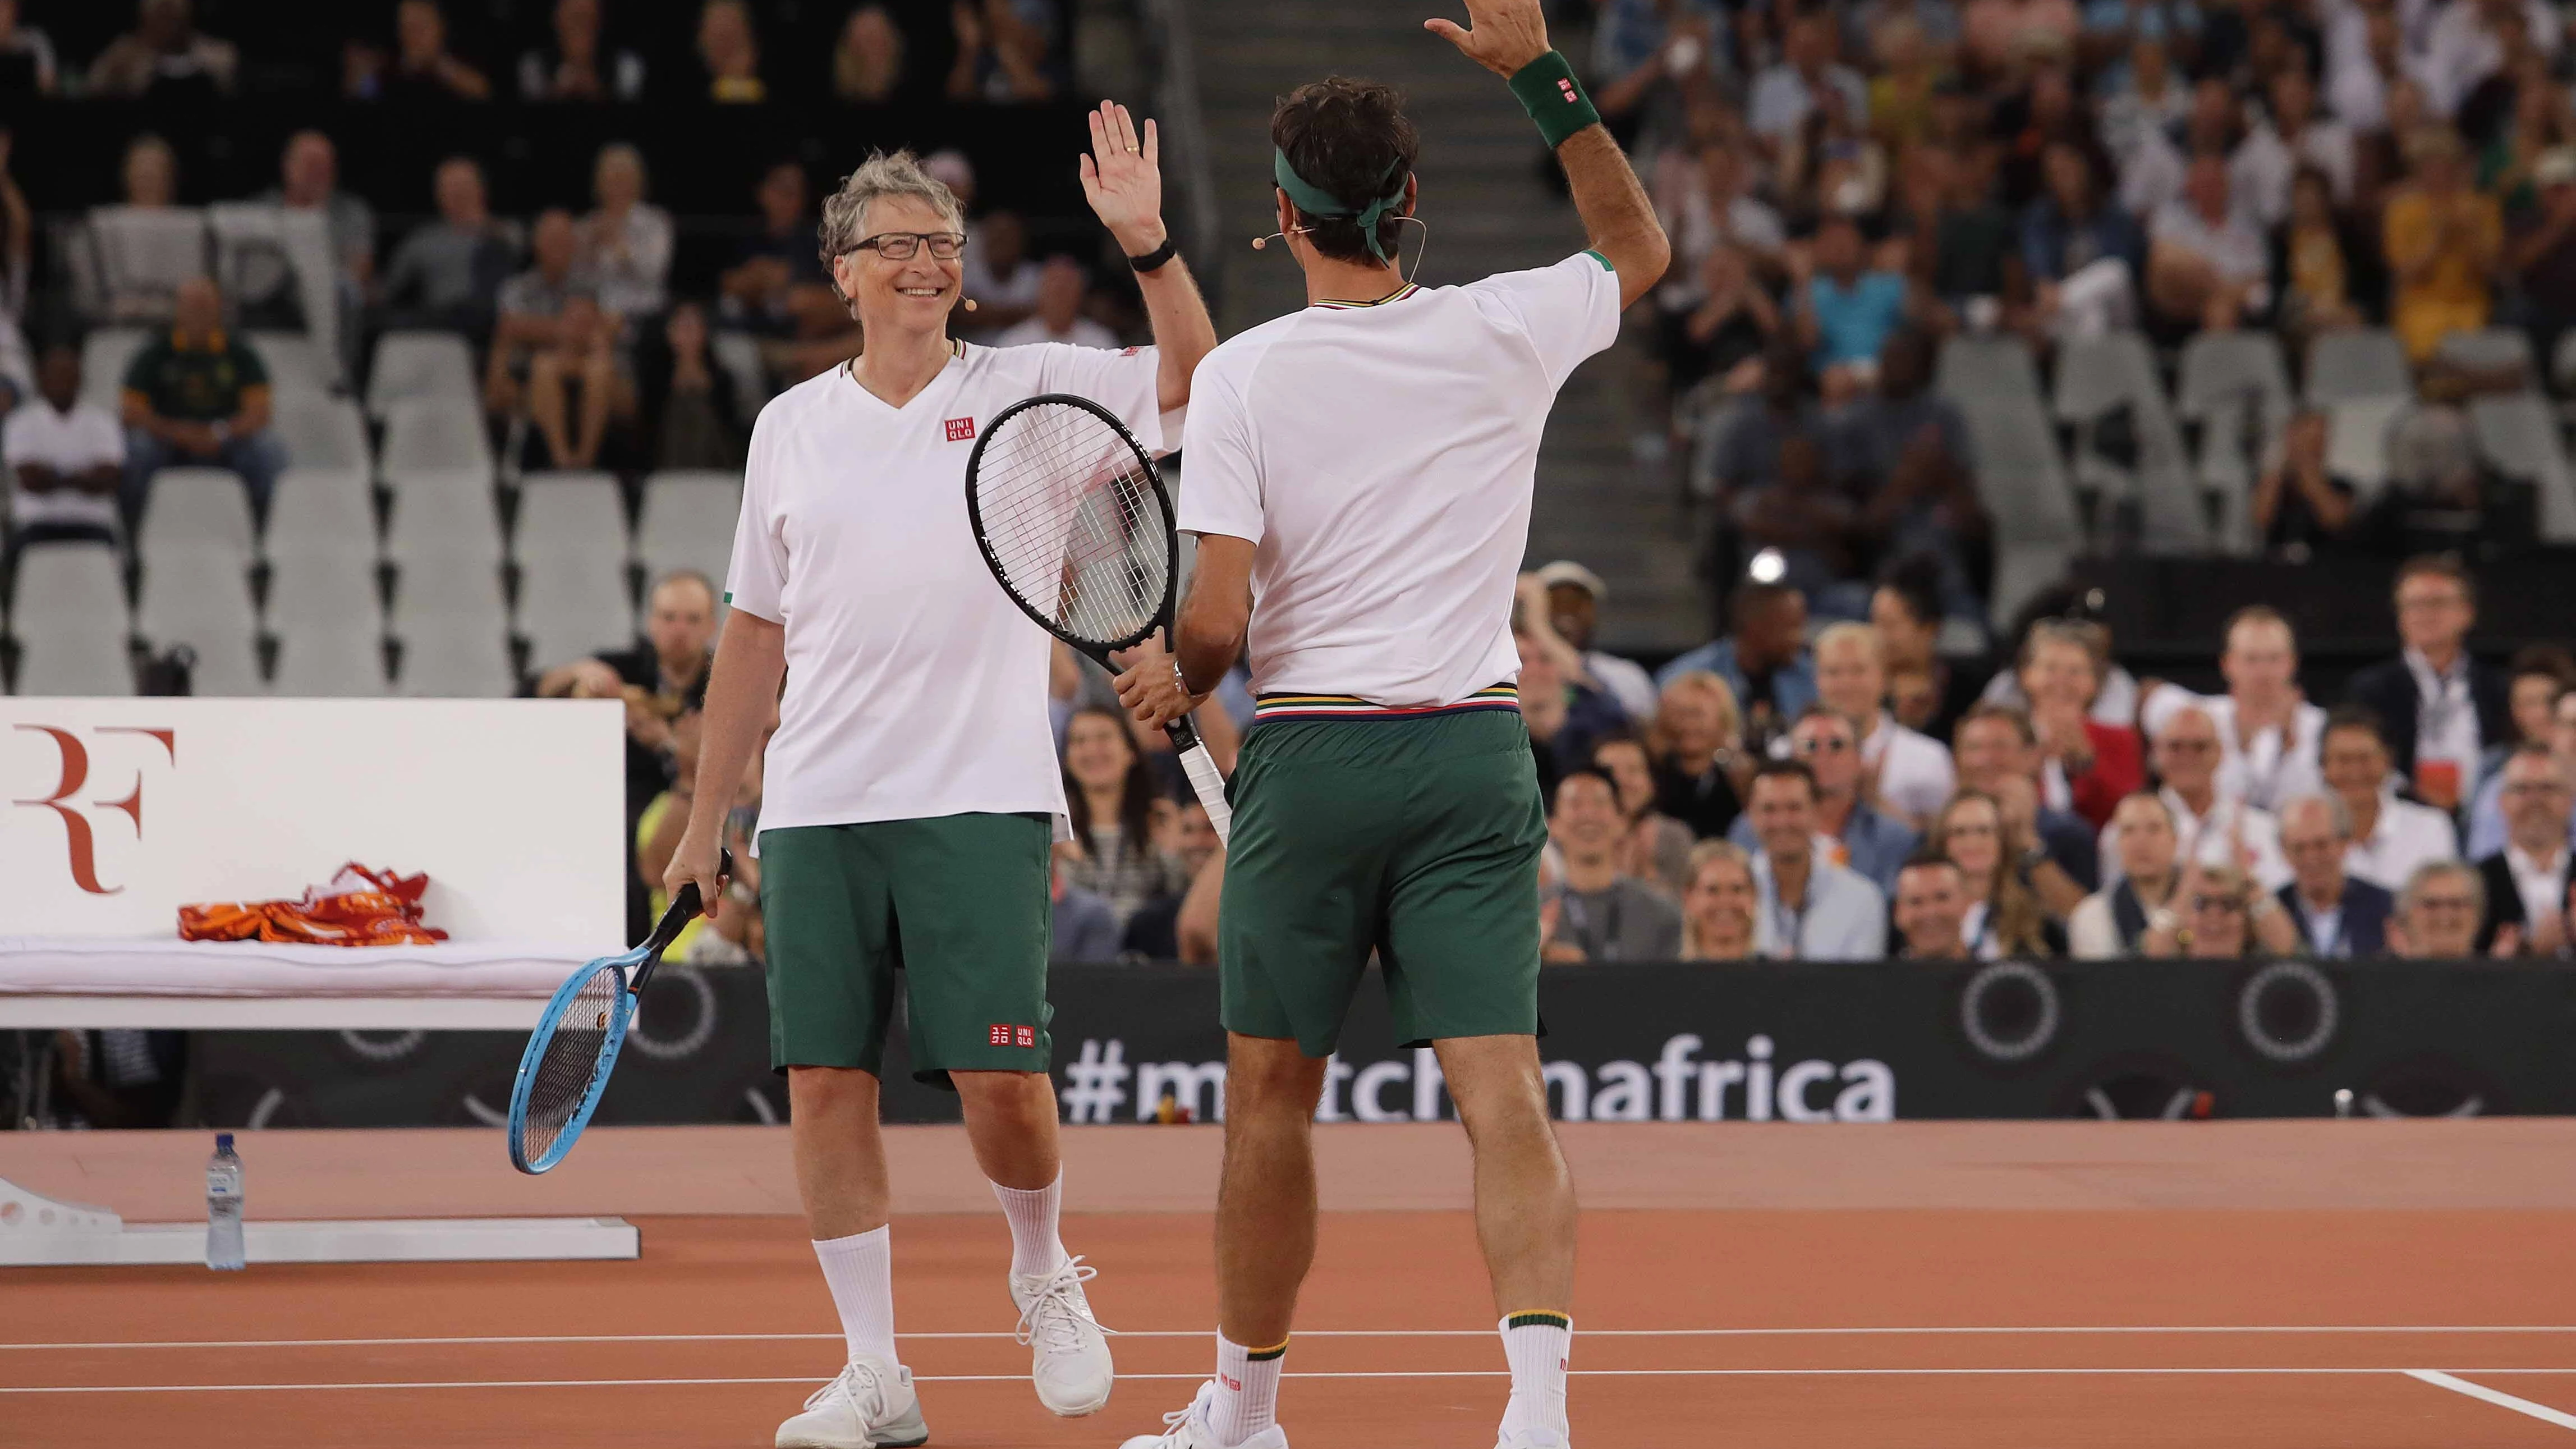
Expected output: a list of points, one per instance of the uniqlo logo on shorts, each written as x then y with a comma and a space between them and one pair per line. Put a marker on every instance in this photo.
1003, 1034
959, 429
1026, 1036
998, 1034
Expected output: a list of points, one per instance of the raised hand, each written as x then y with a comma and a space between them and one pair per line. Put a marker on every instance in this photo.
1502, 35
1122, 179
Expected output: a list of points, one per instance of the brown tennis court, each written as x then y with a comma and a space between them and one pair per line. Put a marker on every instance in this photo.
2271, 1283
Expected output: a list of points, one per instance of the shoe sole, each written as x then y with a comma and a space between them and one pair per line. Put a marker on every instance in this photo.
873, 1443
1083, 1412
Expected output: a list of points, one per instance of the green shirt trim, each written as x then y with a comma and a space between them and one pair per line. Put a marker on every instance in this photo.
1595, 254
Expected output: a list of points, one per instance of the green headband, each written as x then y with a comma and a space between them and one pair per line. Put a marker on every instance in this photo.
1318, 205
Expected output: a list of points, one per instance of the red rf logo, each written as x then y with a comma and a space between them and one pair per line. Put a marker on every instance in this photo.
80, 840
959, 429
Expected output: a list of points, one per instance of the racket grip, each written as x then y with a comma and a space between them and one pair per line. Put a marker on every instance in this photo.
1205, 778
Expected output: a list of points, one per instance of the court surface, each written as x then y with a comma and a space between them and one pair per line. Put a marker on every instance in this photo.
2430, 1312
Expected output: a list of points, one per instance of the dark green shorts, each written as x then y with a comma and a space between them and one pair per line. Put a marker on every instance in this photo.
959, 904
1416, 838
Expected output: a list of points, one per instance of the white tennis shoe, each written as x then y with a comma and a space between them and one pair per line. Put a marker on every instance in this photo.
1532, 1439
1189, 1429
1068, 1349
870, 1406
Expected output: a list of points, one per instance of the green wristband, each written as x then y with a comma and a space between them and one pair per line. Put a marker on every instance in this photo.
1548, 91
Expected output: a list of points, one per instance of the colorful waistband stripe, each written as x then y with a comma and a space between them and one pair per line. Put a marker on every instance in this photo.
1273, 708
1265, 1355
1539, 1320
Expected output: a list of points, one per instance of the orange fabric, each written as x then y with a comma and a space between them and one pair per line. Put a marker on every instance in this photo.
359, 907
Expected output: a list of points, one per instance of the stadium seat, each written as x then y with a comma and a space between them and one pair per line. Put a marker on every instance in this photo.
449, 518
446, 663
570, 515
266, 254
324, 592
2020, 475
2235, 386
571, 606
69, 617
137, 256
196, 510
201, 598
320, 431
321, 511
2357, 441
296, 365
2358, 362
738, 353
2099, 375
2490, 347
444, 435
347, 662
687, 523
2519, 435
435, 366
105, 355
2220, 366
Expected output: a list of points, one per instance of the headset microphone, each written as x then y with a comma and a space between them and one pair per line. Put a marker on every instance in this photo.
970, 304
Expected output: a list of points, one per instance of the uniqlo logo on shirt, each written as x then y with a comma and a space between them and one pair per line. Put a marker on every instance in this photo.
959, 429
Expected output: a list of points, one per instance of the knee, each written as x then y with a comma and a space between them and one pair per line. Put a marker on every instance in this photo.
1272, 1085
830, 1089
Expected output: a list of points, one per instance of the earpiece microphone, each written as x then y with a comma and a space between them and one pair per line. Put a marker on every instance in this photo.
970, 304
1260, 242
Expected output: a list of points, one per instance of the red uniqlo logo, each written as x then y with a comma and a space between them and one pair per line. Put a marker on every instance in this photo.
1567, 88
998, 1035
959, 429
1026, 1036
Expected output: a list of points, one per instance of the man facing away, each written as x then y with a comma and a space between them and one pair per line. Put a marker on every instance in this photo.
1360, 481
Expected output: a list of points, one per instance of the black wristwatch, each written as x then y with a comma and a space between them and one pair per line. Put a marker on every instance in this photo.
2032, 859
1170, 248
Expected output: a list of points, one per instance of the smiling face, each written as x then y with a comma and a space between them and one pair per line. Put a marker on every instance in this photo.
1930, 908
2442, 915
2060, 675
1849, 678
1624, 761
2353, 761
1720, 901
912, 295
1784, 815
1097, 751
2187, 752
2146, 837
1829, 747
1972, 836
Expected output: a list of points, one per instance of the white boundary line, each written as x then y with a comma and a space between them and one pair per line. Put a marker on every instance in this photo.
1863, 1332
2497, 1397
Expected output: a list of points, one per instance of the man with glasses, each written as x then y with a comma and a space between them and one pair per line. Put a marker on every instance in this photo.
2526, 882
2214, 827
2390, 837
1849, 832
2335, 915
1811, 909
2267, 731
2438, 913
2437, 704
2486, 831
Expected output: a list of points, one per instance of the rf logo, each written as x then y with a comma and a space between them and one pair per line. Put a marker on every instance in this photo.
80, 839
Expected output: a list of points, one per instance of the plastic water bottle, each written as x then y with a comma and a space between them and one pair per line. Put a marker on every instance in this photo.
224, 1207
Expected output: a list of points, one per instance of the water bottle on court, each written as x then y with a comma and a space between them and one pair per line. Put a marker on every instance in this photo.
224, 1207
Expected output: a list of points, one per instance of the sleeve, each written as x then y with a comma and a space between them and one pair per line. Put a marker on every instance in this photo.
138, 373
1125, 381
756, 579
254, 373
1568, 311
1221, 477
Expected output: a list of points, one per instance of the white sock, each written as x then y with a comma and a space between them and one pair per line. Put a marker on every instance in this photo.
1247, 1390
860, 1272
1536, 1345
1035, 1246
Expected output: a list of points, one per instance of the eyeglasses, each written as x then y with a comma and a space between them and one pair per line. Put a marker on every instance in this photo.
2445, 903
2536, 787
2188, 747
1823, 745
902, 246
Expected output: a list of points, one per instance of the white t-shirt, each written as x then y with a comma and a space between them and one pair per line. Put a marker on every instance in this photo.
1083, 333
2268, 771
68, 443
1915, 775
915, 687
2211, 839
1381, 457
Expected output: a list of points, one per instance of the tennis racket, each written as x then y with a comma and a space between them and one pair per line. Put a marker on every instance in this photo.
565, 1068
1074, 523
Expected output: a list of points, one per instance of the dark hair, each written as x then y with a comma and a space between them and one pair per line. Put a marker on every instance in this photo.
1927, 858
2438, 566
1351, 140
2354, 717
2546, 659
1587, 772
1986, 709
1752, 596
1780, 770
1916, 581
1135, 795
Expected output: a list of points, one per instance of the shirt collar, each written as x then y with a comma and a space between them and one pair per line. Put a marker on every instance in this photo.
2528, 864
2422, 668
182, 340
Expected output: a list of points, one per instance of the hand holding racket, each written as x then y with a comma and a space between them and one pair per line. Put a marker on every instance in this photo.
1072, 518
565, 1068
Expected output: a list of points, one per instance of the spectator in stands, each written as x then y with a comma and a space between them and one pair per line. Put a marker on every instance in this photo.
2390, 837
1064, 292
2334, 914
2299, 508
1609, 916
1905, 773
576, 67
730, 50
1111, 796
2541, 252
1810, 529
2437, 705
1850, 831
1763, 661
422, 68
1784, 93
196, 395
308, 175
1157, 930
2534, 678
2005, 916
1999, 33
1569, 596
1717, 910
2083, 253
2069, 603
1958, 242
26, 57
2224, 915
1708, 205
776, 285
1910, 447
447, 274
1907, 612
2486, 817
1658, 847
1698, 753
695, 421
1931, 910
2293, 137
2439, 908
164, 55
737, 936
2144, 100
1565, 714
65, 458
1831, 164
2322, 270
530, 309
150, 173
1082, 925
1999, 755
2089, 765
2267, 731
1722, 328
1810, 909
2526, 882
2214, 825
626, 242
1738, 449
1846, 311
2114, 921
17, 255
2206, 263
1000, 275
579, 387
867, 64
2443, 238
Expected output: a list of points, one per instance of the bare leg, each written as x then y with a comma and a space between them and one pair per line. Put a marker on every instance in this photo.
1265, 1207
1011, 1123
598, 390
545, 398
840, 1157
1524, 1194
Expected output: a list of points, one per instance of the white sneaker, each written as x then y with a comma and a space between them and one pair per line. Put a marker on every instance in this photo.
1068, 1349
1533, 1439
870, 1406
1189, 1429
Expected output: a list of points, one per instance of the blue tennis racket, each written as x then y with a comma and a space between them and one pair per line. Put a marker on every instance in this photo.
564, 1070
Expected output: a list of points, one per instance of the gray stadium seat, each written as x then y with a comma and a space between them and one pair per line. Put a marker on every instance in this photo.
70, 620
440, 591
200, 597
347, 662
570, 515
323, 592
105, 355
426, 530
435, 435
2490, 347
2020, 476
2519, 435
444, 663
2357, 441
2357, 362
196, 509
687, 523
2218, 367
138, 256
434, 366
321, 432
321, 511
296, 366
2097, 375
571, 606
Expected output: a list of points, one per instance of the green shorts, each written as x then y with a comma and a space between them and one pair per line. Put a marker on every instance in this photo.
1417, 838
960, 904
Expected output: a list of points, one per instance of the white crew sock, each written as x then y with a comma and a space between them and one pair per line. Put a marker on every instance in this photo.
1247, 1390
1536, 1345
860, 1272
1035, 1246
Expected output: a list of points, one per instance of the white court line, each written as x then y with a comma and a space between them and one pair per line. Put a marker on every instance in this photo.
1873, 1332
2497, 1397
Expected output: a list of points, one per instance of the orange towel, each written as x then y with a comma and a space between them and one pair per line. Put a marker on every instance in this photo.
359, 907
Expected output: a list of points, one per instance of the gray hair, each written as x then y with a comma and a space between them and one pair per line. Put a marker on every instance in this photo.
882, 175
2338, 814
2420, 875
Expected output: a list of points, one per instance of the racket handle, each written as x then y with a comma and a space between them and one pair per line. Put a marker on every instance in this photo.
1205, 778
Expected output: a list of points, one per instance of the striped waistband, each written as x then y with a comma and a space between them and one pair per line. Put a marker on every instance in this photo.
1278, 708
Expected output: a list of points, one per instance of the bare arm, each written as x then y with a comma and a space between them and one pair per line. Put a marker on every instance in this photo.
1122, 179
1209, 637
751, 658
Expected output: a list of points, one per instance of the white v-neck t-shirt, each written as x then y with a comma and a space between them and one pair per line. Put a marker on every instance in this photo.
1380, 458
915, 687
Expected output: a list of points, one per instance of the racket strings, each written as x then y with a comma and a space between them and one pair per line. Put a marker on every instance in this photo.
571, 1060
1074, 522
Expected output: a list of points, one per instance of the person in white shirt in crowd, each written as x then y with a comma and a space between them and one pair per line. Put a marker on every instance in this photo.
1850, 832
2390, 837
1808, 908
1930, 910
2293, 136
2207, 262
1707, 202
2486, 817
2212, 825
2267, 731
65, 458
1064, 289
2526, 882
626, 243
1783, 94
2112, 922
1908, 774
2220, 914
2438, 910
2470, 40
2335, 915
1573, 597
2366, 59
2115, 694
